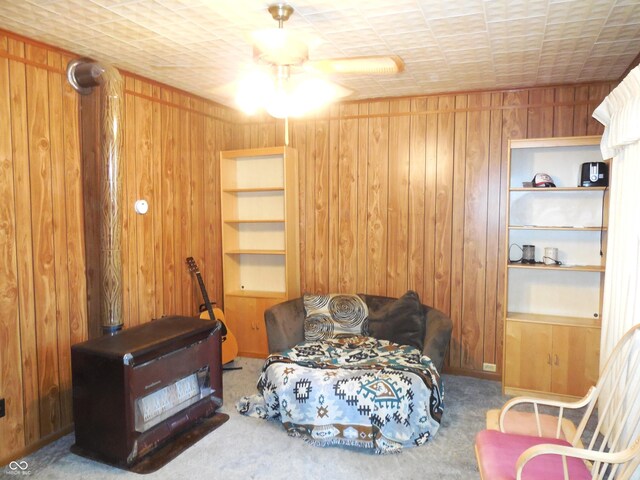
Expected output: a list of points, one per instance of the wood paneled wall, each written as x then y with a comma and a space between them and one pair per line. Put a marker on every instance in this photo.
49, 296
395, 194
170, 157
409, 193
42, 259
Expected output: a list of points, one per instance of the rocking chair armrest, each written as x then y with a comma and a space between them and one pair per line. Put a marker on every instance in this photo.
590, 455
545, 402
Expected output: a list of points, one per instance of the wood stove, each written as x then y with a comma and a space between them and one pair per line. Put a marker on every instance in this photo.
144, 395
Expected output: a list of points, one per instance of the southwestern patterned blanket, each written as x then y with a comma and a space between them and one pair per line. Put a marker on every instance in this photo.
356, 391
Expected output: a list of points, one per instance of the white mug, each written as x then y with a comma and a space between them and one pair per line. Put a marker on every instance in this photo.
550, 255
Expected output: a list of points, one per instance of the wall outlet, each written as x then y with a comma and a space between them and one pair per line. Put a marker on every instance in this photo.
489, 367
2, 411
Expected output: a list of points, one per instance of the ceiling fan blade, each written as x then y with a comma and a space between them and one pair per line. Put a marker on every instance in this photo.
369, 65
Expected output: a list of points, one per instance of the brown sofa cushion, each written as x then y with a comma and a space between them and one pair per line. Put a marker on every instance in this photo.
400, 321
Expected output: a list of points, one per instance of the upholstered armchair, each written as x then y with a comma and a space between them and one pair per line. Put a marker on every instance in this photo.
285, 326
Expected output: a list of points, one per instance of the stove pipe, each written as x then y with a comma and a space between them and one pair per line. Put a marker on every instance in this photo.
84, 74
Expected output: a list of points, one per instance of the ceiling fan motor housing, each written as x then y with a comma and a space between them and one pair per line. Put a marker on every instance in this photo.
280, 12
278, 46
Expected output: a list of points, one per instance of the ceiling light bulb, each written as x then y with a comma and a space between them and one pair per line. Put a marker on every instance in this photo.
279, 104
283, 96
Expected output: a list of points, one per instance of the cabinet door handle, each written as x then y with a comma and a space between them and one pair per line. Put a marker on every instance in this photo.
556, 359
548, 359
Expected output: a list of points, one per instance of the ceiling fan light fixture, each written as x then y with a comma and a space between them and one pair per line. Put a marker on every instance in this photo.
281, 105
287, 93
252, 90
297, 97
283, 96
278, 47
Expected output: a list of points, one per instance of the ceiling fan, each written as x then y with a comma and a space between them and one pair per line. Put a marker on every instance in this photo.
287, 83
279, 47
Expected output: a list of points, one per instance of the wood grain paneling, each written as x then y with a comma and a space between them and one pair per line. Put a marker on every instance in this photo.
416, 201
60, 237
363, 196
334, 189
299, 136
42, 281
493, 268
458, 225
167, 201
75, 239
24, 243
321, 205
431, 191
398, 194
347, 230
156, 186
129, 230
197, 202
541, 113
74, 203
581, 110
308, 200
377, 198
11, 386
563, 113
474, 246
43, 247
143, 250
444, 205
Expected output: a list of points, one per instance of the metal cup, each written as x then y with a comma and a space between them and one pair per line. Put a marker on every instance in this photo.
528, 254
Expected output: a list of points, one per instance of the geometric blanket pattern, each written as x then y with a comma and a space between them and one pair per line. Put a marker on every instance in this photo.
357, 391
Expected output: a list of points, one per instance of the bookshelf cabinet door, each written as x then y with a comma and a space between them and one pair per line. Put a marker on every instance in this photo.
247, 314
576, 357
527, 356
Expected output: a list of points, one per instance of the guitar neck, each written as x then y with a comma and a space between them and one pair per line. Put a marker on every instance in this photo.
207, 303
205, 296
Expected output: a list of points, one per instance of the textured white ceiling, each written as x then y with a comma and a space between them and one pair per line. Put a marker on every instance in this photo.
447, 45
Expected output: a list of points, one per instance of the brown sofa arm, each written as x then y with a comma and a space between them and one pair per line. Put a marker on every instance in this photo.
437, 336
285, 324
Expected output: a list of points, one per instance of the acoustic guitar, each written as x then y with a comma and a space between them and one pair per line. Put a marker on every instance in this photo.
229, 342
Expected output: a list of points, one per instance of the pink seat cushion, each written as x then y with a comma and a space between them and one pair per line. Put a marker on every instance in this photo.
498, 453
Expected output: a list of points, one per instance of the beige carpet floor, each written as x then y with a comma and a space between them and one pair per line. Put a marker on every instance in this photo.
247, 448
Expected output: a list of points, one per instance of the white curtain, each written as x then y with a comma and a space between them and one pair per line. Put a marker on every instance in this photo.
620, 114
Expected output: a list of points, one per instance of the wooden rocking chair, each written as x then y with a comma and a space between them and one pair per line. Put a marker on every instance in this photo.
612, 451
